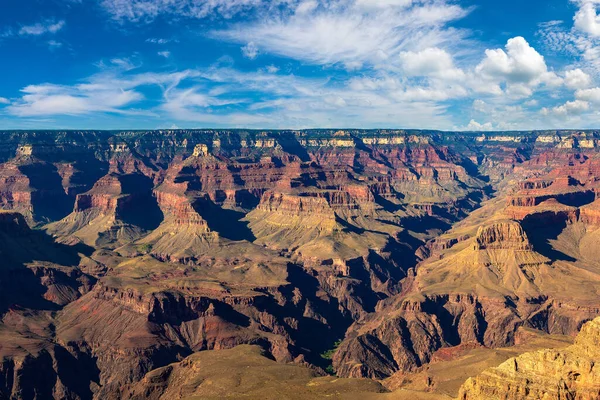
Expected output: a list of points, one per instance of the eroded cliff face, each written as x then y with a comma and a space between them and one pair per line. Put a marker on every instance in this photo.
170, 243
571, 373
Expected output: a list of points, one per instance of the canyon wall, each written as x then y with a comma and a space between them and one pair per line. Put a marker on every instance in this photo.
360, 253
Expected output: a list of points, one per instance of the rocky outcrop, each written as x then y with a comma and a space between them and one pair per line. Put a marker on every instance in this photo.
117, 210
590, 214
409, 337
183, 235
507, 235
571, 373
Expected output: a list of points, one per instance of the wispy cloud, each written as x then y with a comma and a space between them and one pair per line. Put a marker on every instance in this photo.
46, 99
352, 33
42, 28
46, 27
250, 51
53, 44
161, 40
148, 10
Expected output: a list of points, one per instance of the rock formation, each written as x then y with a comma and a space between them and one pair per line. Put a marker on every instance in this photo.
571, 373
133, 259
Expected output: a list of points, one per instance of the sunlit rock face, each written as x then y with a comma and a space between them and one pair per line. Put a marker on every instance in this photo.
571, 373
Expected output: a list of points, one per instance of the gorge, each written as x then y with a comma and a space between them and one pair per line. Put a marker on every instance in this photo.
321, 263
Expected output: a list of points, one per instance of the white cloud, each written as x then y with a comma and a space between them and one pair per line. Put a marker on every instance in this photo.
292, 101
520, 68
54, 99
383, 3
165, 54
406, 66
113, 91
581, 41
430, 62
480, 105
520, 63
250, 51
577, 79
126, 64
475, 126
570, 108
306, 6
192, 104
586, 19
519, 91
531, 103
353, 34
41, 28
590, 95
556, 38
4, 100
222, 96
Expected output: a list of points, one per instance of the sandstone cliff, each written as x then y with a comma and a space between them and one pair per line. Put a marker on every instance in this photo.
571, 373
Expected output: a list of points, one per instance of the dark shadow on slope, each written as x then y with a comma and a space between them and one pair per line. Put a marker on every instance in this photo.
76, 373
577, 199
448, 322
188, 175
227, 223
147, 161
141, 208
540, 229
135, 183
348, 227
403, 251
425, 224
473, 170
21, 288
388, 205
49, 200
289, 143
144, 212
38, 380
88, 172
174, 309
312, 336
20, 285
361, 146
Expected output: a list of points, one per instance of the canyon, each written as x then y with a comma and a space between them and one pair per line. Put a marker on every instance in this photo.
384, 264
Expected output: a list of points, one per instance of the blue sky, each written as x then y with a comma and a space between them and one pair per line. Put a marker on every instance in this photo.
290, 64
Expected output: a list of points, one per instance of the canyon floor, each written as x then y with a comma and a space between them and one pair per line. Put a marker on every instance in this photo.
299, 264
